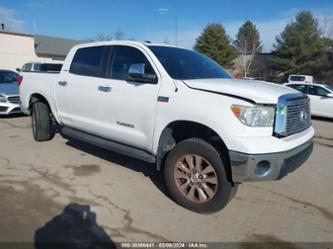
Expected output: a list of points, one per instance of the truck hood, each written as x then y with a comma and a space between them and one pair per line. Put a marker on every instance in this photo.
257, 91
9, 89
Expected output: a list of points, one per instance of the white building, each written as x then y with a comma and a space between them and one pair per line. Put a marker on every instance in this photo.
16, 49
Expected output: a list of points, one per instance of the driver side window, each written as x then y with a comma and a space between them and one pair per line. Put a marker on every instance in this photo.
317, 90
121, 59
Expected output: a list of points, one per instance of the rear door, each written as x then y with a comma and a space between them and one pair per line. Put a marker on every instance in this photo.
77, 92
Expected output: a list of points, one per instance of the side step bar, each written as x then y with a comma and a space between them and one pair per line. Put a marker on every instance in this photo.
109, 145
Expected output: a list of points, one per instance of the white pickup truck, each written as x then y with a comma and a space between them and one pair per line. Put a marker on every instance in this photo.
177, 109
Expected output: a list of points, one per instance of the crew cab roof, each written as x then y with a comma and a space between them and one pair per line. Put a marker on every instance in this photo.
119, 42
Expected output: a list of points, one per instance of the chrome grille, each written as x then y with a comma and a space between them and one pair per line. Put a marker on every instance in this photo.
14, 99
298, 115
292, 114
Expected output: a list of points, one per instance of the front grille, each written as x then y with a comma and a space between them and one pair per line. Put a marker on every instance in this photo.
14, 99
298, 115
292, 114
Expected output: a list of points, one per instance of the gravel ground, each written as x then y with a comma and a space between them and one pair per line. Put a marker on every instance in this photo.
61, 189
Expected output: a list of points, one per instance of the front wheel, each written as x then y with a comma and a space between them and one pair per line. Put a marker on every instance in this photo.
196, 178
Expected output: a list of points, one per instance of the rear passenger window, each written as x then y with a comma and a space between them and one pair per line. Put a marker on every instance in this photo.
121, 59
88, 61
37, 67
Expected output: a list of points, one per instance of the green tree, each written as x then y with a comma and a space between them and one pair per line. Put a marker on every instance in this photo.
299, 48
325, 72
248, 44
215, 43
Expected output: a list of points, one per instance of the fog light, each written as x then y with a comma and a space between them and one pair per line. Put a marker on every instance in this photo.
262, 168
3, 99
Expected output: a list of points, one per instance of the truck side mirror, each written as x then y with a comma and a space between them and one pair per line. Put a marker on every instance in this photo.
136, 72
18, 69
329, 95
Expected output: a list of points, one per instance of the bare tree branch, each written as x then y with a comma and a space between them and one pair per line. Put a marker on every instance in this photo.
248, 44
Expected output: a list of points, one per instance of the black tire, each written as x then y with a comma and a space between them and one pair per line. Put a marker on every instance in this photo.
223, 191
41, 122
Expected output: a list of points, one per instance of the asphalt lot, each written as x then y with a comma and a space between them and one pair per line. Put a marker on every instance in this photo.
61, 189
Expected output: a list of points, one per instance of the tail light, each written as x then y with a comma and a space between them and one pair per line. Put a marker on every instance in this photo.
19, 79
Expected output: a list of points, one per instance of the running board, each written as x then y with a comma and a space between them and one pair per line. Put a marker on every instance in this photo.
109, 145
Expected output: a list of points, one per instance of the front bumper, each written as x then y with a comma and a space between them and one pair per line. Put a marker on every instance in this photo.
9, 108
269, 166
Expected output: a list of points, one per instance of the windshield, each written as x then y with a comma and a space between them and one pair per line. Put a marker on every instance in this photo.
183, 64
7, 77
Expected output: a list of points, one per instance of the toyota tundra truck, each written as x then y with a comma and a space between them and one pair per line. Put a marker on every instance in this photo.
176, 109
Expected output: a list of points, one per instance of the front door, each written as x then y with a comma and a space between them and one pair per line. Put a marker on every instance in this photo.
129, 107
320, 104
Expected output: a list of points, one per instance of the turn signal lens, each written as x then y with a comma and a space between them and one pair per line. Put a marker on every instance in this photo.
236, 110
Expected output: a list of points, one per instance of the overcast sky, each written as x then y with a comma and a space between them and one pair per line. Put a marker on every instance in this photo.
155, 20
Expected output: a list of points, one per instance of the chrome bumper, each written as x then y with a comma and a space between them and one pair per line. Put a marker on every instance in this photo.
8, 108
271, 166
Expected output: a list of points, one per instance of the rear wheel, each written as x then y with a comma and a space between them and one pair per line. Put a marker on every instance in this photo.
41, 121
195, 176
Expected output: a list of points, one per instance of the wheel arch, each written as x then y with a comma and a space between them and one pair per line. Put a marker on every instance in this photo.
37, 97
180, 130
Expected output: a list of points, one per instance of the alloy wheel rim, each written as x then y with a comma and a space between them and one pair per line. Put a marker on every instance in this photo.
195, 178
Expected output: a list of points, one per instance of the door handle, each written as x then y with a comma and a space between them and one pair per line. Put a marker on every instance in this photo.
104, 88
62, 83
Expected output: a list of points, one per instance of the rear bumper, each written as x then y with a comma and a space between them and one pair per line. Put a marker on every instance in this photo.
269, 166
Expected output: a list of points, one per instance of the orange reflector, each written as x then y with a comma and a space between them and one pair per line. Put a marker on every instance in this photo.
236, 110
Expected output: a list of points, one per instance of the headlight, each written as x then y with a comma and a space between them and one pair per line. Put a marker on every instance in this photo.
3, 98
254, 116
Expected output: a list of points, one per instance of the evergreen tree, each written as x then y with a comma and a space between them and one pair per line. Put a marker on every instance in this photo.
215, 43
248, 44
299, 49
325, 67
